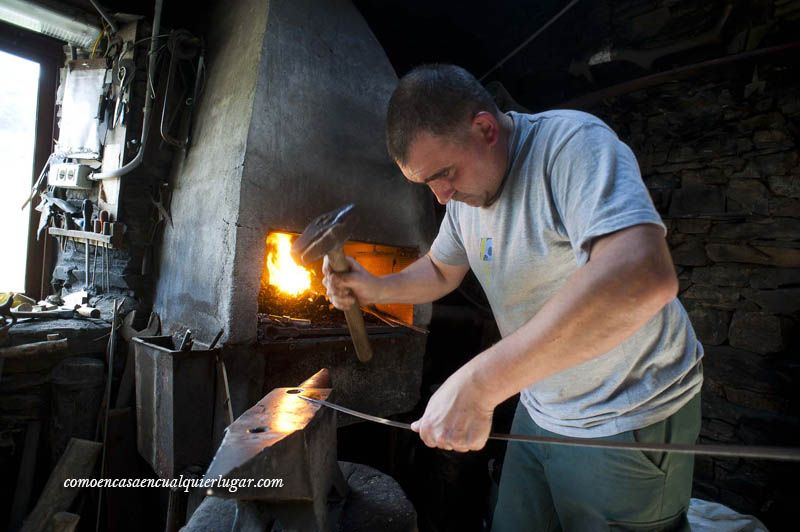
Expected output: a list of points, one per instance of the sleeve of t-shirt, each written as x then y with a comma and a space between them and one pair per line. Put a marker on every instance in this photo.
597, 188
448, 247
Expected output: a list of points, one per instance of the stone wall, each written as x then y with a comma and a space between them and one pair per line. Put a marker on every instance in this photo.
719, 154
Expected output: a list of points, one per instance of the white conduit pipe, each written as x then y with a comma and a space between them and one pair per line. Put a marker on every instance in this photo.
148, 104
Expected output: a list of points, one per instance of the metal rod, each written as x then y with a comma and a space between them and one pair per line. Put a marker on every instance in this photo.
228, 405
529, 39
94, 265
789, 454
112, 345
670, 75
86, 263
44, 268
107, 265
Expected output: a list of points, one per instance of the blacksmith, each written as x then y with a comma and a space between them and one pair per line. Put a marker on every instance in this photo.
550, 212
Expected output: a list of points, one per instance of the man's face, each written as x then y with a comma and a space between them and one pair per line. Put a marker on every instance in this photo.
463, 170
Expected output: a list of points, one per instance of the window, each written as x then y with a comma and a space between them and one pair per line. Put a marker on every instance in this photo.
19, 90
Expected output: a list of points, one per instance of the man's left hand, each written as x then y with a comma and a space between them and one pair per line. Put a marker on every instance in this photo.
457, 417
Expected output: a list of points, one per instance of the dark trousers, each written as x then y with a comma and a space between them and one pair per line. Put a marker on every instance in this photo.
553, 487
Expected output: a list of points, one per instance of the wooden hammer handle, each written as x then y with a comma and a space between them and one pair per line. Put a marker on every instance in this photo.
355, 319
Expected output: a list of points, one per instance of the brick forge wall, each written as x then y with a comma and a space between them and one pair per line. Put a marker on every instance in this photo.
720, 158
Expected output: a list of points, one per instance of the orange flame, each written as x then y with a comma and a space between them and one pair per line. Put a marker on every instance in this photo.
284, 273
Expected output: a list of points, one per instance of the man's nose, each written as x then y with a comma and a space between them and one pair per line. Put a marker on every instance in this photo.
442, 190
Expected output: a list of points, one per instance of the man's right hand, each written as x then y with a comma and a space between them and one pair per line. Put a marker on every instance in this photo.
343, 289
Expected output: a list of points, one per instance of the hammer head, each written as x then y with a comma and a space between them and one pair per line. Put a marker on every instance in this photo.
326, 233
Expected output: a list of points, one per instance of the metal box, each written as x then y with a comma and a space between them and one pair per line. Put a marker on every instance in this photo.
69, 175
174, 404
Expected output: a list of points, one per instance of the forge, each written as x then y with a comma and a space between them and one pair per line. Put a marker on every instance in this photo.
291, 126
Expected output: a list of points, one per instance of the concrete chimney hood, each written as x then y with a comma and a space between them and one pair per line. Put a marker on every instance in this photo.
290, 125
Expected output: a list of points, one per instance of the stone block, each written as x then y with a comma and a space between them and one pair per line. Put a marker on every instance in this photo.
780, 301
743, 145
750, 171
749, 196
785, 185
683, 284
732, 368
65, 273
690, 253
766, 402
705, 176
729, 165
718, 430
704, 465
767, 121
694, 227
754, 254
774, 277
680, 167
723, 298
784, 207
722, 275
711, 325
790, 105
662, 181
715, 406
765, 104
756, 331
660, 199
786, 229
773, 429
776, 163
772, 140
653, 157
695, 200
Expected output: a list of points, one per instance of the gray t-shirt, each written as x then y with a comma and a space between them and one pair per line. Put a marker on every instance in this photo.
571, 180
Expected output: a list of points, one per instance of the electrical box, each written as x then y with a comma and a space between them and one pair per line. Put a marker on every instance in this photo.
69, 175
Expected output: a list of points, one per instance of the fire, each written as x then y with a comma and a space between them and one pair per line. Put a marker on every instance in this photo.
284, 273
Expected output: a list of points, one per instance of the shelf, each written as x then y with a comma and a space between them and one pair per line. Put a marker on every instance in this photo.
84, 236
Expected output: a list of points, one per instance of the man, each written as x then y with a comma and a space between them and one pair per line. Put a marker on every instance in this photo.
551, 214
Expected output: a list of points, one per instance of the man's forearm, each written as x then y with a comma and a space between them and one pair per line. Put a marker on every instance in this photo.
599, 306
421, 282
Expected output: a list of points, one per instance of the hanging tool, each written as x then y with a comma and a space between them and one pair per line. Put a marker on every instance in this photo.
104, 218
326, 236
123, 73
224, 373
86, 209
186, 342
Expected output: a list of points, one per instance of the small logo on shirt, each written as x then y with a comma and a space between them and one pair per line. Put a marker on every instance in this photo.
486, 249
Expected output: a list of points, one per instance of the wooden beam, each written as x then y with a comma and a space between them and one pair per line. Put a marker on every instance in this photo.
77, 462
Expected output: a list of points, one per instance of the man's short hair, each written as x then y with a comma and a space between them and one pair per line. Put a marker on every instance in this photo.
438, 99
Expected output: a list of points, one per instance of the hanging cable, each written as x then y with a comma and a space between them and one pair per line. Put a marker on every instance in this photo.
105, 16
529, 39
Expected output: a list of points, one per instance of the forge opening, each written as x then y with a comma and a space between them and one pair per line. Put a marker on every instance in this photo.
293, 295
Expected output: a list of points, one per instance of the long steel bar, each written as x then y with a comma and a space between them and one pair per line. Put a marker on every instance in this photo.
789, 454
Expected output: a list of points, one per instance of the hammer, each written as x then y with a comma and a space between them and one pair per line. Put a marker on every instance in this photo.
326, 236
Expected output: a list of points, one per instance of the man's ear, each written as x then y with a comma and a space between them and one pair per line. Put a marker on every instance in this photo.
486, 125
